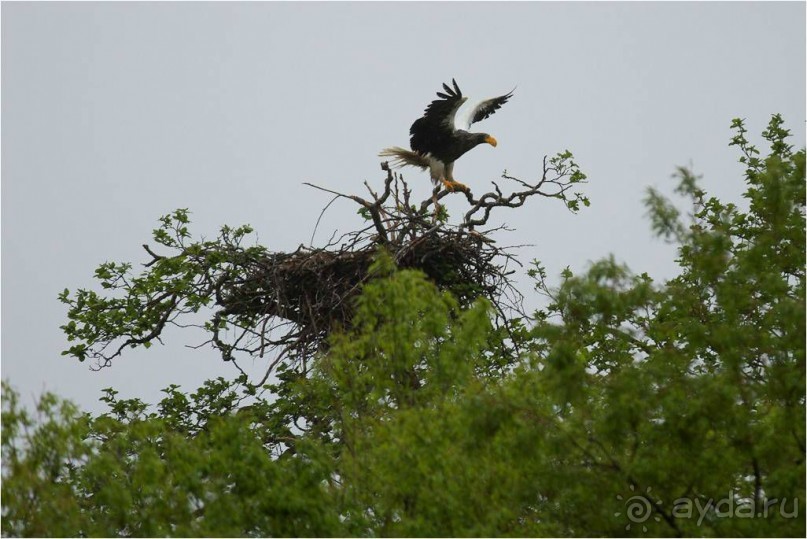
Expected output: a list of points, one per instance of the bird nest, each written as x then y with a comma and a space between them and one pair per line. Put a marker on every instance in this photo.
314, 288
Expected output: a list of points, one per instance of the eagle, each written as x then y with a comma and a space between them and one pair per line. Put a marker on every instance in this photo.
439, 138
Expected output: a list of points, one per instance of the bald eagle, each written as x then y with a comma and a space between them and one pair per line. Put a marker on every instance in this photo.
439, 138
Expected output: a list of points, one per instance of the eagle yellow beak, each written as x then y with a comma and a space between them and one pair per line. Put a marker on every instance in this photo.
490, 140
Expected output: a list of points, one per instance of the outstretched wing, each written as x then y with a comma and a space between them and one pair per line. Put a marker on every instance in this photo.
438, 119
486, 108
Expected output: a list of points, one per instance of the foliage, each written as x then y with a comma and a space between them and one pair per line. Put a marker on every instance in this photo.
192, 469
626, 406
137, 308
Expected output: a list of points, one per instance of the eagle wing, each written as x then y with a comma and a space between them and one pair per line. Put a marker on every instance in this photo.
438, 119
486, 108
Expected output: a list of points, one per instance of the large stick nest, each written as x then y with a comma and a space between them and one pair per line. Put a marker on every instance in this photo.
314, 288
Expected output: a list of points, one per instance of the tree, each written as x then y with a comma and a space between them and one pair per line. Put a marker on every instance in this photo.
624, 407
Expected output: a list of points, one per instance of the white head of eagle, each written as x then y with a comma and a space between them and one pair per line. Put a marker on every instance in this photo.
439, 138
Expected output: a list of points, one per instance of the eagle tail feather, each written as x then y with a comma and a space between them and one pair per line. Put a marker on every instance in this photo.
402, 157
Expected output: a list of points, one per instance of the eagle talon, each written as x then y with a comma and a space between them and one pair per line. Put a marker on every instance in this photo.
452, 186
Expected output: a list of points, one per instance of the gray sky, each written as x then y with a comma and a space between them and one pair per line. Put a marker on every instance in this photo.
115, 114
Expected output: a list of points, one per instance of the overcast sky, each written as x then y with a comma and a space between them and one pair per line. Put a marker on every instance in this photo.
114, 114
